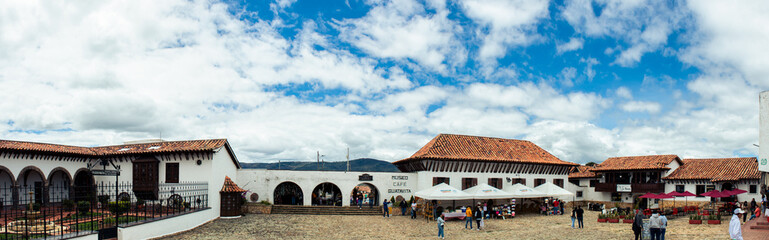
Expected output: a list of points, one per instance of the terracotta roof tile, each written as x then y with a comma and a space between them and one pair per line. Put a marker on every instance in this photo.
582, 172
230, 186
717, 169
155, 147
474, 148
651, 162
161, 147
44, 147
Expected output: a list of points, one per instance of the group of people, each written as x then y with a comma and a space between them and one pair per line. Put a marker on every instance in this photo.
658, 223
552, 206
360, 198
753, 209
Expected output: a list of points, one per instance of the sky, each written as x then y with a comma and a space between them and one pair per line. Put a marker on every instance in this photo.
286, 79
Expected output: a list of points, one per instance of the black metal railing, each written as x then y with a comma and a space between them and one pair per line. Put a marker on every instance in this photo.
61, 210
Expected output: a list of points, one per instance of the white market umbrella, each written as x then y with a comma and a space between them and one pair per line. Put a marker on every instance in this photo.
485, 191
522, 191
443, 192
551, 190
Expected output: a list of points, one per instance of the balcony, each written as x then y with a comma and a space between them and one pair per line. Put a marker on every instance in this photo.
605, 187
635, 187
647, 187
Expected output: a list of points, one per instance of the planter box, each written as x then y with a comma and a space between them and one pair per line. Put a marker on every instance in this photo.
612, 220
622, 216
714, 221
602, 220
695, 221
627, 220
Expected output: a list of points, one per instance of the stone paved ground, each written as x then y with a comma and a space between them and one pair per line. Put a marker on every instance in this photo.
260, 226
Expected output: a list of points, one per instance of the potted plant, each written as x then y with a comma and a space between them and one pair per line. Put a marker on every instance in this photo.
714, 219
627, 219
614, 218
695, 219
623, 214
602, 217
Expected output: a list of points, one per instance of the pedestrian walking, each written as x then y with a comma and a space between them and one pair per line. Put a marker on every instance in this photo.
562, 205
663, 225
360, 201
386, 210
735, 228
441, 223
478, 214
573, 216
745, 209
403, 207
580, 213
469, 217
638, 224
414, 210
654, 226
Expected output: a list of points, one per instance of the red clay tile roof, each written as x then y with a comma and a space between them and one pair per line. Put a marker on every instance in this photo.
161, 147
717, 169
582, 172
651, 162
155, 147
43, 147
474, 148
230, 187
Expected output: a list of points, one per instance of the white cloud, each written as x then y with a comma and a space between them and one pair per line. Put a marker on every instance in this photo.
403, 29
624, 92
643, 26
506, 23
571, 45
641, 106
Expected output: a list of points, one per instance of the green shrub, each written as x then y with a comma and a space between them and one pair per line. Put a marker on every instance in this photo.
68, 205
265, 202
629, 217
83, 207
118, 208
695, 217
392, 200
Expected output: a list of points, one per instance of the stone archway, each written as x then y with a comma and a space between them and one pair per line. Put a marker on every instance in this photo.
288, 193
327, 194
367, 193
31, 183
7, 187
59, 184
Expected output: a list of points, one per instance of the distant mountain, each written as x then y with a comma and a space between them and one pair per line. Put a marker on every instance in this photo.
358, 165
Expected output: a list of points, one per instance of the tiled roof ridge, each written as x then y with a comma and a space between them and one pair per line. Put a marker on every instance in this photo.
641, 162
717, 169
494, 149
92, 151
230, 187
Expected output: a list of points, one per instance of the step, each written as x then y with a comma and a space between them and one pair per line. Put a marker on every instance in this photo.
763, 223
763, 227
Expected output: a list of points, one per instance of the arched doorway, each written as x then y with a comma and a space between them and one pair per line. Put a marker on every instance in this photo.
59, 182
641, 203
367, 193
83, 188
31, 180
7, 184
288, 193
327, 194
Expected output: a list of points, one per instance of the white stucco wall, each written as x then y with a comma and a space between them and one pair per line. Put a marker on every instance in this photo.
763, 134
167, 226
263, 182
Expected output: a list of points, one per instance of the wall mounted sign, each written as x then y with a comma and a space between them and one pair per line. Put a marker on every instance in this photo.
624, 188
365, 177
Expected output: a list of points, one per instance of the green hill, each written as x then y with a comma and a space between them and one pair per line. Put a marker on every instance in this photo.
359, 165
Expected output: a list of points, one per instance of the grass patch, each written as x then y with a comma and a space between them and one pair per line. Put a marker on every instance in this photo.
108, 222
81, 216
9, 236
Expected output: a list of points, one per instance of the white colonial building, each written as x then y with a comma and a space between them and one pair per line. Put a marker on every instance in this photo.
458, 160
154, 171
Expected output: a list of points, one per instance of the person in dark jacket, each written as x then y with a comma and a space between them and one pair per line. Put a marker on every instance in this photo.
478, 214
580, 212
403, 207
638, 224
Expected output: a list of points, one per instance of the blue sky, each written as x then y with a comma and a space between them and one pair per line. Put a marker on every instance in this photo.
586, 80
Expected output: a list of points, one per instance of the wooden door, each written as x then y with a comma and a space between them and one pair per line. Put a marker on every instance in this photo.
145, 178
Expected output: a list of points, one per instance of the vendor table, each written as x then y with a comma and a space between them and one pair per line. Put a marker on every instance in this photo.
454, 215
